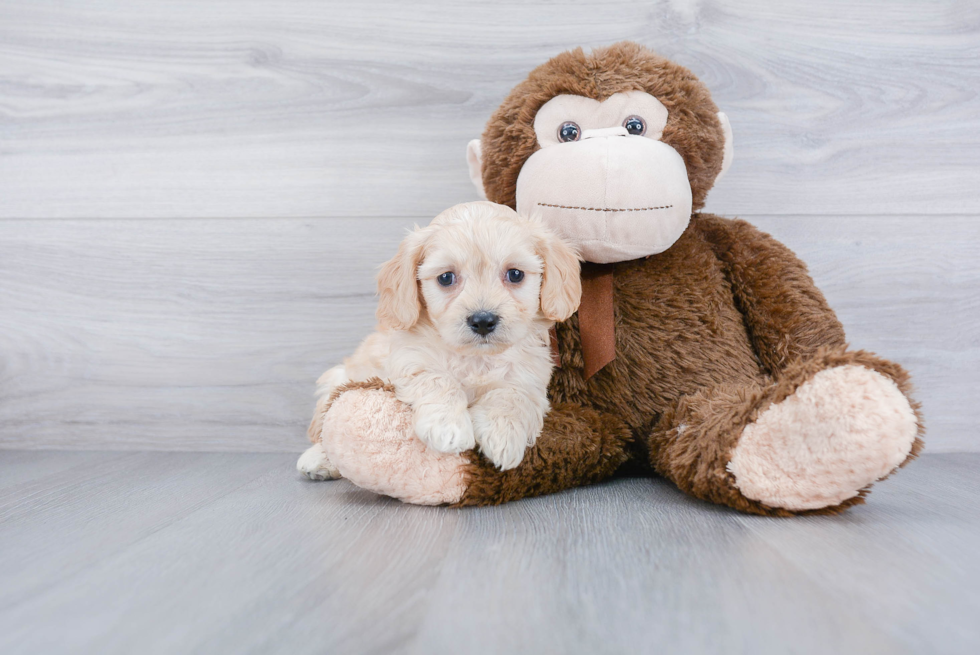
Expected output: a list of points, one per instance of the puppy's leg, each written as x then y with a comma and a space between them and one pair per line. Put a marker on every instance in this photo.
440, 413
446, 427
315, 465
330, 380
325, 387
506, 421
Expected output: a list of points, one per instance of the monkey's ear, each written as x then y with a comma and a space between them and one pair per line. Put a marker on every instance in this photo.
474, 157
729, 152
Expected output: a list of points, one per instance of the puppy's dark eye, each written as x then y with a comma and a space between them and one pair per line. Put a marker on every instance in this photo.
635, 125
569, 131
447, 279
515, 276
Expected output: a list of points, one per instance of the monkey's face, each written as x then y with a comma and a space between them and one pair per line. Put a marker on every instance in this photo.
613, 149
603, 179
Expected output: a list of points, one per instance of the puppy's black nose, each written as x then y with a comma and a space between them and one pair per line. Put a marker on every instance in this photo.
483, 323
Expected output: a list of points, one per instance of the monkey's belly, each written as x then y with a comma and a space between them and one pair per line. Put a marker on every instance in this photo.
678, 332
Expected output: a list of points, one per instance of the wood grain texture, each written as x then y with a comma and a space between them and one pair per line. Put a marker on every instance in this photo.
195, 335
198, 108
235, 553
208, 334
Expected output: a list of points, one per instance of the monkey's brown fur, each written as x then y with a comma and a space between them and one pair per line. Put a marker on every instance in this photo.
687, 353
709, 333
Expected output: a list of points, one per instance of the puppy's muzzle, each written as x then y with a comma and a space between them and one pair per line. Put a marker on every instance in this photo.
483, 323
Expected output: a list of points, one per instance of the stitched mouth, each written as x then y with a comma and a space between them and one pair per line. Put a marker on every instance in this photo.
604, 209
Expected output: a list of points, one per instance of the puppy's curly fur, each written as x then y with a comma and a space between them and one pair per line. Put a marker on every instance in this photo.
467, 384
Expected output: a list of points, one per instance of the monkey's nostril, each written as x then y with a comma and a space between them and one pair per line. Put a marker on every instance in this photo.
483, 323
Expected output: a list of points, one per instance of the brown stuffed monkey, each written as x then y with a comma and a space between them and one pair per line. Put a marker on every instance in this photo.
702, 350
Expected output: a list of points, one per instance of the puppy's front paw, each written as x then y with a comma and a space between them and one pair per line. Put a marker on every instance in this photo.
502, 439
444, 427
315, 465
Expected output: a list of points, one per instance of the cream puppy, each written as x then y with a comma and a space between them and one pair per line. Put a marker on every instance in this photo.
464, 312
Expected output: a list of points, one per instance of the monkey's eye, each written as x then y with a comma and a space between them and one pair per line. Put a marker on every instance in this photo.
447, 279
635, 125
569, 131
515, 276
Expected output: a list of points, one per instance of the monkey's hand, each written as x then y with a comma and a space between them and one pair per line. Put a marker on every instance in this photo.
370, 437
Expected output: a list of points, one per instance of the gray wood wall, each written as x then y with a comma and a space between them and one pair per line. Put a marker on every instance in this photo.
194, 194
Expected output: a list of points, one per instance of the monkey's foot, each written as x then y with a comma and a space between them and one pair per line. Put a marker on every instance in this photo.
369, 436
839, 432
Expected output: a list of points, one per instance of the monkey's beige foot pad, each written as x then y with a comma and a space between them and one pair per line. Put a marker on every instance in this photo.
839, 432
368, 435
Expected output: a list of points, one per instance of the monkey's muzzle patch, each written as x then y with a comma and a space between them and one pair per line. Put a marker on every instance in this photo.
615, 198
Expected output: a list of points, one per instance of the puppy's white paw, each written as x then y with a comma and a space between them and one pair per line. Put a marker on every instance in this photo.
502, 439
444, 427
315, 465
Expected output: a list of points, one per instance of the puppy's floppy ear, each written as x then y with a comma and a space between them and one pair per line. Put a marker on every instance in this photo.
399, 304
561, 284
474, 159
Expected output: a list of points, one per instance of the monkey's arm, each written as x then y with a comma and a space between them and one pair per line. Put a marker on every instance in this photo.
577, 446
369, 436
815, 437
787, 316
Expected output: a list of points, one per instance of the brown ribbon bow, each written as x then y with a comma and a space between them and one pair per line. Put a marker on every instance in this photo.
595, 318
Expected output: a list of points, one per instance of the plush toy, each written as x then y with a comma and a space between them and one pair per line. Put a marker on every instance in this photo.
702, 351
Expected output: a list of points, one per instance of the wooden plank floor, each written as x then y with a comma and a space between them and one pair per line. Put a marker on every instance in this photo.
234, 553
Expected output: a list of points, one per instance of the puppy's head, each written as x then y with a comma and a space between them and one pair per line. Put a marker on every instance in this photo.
482, 275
